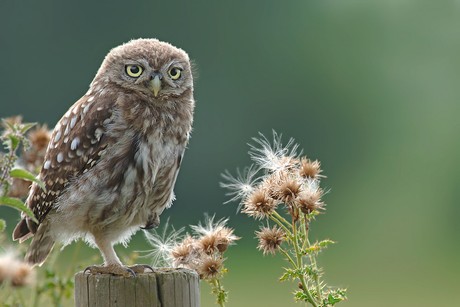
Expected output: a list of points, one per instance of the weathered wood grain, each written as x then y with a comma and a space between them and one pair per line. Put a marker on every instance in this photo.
162, 288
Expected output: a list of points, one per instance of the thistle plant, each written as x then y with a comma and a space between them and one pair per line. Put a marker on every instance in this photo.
282, 189
202, 251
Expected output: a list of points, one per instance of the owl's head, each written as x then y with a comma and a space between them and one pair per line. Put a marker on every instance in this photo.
154, 68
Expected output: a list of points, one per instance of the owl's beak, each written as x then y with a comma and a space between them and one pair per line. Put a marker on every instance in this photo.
155, 84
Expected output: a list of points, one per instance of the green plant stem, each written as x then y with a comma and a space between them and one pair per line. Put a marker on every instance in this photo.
217, 288
300, 265
305, 245
286, 230
289, 258
316, 277
281, 218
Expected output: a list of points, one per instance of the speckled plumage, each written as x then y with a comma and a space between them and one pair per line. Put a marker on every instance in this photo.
113, 158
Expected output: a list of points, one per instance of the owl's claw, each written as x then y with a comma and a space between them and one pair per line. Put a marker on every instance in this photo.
110, 269
141, 268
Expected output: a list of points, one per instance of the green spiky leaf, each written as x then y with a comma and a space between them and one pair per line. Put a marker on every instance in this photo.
17, 204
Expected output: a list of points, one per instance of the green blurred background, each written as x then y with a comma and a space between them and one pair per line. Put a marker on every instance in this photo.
370, 88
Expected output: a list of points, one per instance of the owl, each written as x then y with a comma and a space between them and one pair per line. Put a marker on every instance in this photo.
113, 158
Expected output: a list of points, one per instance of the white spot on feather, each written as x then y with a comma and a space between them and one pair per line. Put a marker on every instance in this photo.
57, 136
98, 133
47, 164
67, 130
90, 99
60, 157
73, 122
74, 143
85, 110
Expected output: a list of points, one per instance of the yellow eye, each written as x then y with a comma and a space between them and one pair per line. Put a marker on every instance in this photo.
134, 70
175, 73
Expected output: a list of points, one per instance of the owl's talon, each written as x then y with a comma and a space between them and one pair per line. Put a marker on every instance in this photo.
110, 269
141, 268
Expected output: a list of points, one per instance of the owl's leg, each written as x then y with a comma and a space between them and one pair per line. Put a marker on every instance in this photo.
112, 264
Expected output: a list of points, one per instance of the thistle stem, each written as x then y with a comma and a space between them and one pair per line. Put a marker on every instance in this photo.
281, 218
277, 221
312, 258
217, 289
289, 258
300, 265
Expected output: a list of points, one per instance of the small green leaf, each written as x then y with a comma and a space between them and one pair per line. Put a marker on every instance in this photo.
14, 142
26, 127
2, 225
23, 174
16, 203
332, 300
325, 243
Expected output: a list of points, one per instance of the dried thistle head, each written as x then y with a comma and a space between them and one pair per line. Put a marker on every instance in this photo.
225, 237
183, 251
310, 200
208, 243
19, 273
39, 137
270, 239
210, 267
216, 240
274, 156
309, 169
285, 187
259, 204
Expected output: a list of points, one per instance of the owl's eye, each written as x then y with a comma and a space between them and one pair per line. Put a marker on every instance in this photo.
134, 70
175, 73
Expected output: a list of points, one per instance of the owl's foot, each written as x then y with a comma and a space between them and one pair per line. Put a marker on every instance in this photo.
111, 269
141, 268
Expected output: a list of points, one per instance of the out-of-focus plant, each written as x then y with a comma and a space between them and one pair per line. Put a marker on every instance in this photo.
15, 172
21, 157
202, 251
282, 188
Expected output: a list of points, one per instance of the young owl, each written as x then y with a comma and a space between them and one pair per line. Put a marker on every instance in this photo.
113, 158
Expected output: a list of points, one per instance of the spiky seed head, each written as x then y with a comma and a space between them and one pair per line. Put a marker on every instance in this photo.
210, 267
309, 169
270, 239
259, 204
310, 200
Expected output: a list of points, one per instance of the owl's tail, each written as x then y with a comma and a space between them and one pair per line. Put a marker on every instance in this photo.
41, 245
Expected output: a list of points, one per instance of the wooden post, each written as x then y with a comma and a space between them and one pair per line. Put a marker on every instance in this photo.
162, 288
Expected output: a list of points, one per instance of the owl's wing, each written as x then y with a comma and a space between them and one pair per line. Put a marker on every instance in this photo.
75, 146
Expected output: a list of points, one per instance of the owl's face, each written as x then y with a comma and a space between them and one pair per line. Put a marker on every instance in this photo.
156, 69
